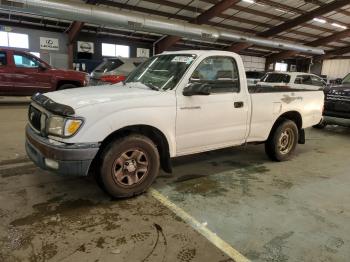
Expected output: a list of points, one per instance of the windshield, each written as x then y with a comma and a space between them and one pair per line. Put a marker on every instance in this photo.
346, 79
276, 78
109, 65
162, 72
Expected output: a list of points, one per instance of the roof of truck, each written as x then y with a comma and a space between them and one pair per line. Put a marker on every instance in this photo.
290, 73
199, 52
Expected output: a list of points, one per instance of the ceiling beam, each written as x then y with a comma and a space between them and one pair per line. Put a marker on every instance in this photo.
275, 17
334, 53
319, 3
294, 22
318, 42
214, 11
193, 9
74, 30
305, 17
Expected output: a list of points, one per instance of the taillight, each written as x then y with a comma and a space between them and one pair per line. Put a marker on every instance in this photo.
112, 78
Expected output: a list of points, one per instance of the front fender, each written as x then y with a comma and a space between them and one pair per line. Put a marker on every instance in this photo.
97, 128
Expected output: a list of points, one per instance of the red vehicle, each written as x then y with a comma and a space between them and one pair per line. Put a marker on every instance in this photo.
22, 73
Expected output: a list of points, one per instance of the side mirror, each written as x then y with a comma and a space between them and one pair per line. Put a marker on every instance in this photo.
198, 88
42, 67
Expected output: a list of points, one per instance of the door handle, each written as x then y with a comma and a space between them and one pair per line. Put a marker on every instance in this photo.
238, 104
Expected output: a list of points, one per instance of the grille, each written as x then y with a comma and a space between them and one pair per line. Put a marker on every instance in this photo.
34, 117
338, 97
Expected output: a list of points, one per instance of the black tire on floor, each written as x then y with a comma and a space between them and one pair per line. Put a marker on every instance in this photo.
320, 125
285, 133
113, 160
66, 86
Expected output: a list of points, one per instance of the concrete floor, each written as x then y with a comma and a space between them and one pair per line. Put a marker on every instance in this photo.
292, 211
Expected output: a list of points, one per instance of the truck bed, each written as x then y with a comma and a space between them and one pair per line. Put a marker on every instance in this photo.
267, 103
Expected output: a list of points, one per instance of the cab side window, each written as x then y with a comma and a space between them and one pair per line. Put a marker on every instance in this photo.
22, 60
316, 81
303, 80
3, 59
220, 72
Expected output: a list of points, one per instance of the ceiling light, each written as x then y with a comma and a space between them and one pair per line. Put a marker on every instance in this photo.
249, 1
322, 21
338, 25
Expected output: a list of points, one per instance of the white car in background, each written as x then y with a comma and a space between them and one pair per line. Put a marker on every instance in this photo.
293, 80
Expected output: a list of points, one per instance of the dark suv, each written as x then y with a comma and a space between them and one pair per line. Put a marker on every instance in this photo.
337, 104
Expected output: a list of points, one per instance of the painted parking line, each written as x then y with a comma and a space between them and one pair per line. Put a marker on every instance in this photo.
16, 165
199, 227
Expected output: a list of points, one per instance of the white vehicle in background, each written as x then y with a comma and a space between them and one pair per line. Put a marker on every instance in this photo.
293, 80
174, 104
254, 77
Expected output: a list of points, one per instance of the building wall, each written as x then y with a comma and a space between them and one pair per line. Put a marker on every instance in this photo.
253, 63
336, 68
96, 58
34, 42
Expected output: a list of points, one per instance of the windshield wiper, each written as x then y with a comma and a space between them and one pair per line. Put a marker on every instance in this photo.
152, 86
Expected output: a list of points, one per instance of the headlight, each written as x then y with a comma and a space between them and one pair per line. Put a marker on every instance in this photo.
63, 127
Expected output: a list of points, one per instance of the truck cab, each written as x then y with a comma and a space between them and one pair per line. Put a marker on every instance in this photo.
22, 73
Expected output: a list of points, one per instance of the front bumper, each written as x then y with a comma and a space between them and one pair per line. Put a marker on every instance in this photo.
65, 159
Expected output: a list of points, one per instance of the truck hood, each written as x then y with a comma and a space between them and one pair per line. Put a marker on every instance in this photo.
343, 90
86, 96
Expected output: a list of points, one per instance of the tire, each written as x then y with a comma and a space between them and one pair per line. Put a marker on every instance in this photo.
282, 141
129, 166
320, 125
66, 86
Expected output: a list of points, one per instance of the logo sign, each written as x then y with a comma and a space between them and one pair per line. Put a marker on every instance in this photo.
85, 47
142, 52
49, 43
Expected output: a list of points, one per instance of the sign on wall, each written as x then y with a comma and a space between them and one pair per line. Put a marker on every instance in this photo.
85, 47
142, 52
47, 43
5, 28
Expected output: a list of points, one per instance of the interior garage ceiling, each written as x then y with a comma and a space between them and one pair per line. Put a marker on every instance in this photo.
288, 20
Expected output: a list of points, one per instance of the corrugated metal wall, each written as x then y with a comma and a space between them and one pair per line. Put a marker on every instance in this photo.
253, 63
336, 68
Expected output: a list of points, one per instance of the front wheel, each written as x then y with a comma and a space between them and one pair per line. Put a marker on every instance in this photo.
129, 166
282, 141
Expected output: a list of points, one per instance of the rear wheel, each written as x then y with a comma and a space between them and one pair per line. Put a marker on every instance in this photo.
129, 166
282, 141
66, 86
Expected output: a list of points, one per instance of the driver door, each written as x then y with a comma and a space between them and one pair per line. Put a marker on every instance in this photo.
216, 120
28, 77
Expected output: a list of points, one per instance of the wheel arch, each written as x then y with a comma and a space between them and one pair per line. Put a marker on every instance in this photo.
153, 133
294, 116
65, 82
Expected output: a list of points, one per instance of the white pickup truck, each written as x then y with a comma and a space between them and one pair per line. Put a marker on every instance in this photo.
174, 104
